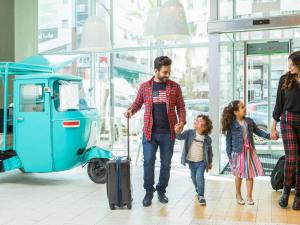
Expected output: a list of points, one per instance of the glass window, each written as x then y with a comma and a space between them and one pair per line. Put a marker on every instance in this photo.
114, 86
197, 107
225, 9
197, 15
55, 24
189, 69
81, 14
262, 108
129, 18
131, 69
256, 8
70, 96
227, 86
32, 98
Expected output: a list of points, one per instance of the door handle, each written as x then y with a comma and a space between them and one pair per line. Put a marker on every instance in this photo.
20, 119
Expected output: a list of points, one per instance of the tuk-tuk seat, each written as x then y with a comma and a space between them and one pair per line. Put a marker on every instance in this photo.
9, 138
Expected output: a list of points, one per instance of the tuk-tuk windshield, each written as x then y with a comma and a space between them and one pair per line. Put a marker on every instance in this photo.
70, 96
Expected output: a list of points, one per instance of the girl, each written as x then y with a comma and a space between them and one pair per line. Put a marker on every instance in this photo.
240, 147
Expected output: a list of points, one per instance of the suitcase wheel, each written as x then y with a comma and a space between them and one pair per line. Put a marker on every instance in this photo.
112, 206
129, 205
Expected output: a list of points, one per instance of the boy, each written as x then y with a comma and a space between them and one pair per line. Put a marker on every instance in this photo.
197, 151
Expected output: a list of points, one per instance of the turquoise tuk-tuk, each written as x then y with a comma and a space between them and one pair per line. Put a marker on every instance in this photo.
46, 122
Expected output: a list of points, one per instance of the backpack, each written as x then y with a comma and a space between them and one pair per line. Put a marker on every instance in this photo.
277, 175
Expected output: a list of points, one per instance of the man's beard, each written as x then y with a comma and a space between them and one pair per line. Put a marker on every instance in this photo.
163, 79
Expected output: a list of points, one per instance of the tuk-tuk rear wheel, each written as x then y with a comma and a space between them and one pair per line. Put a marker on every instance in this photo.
97, 170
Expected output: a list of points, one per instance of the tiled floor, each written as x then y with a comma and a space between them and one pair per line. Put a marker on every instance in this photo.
70, 198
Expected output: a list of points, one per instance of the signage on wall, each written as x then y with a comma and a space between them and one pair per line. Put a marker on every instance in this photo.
47, 34
268, 48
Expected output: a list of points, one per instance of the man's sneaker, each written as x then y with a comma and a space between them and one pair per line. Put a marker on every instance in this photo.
148, 199
162, 197
201, 200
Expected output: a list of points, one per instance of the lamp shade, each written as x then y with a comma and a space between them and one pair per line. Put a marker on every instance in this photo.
150, 23
95, 37
171, 22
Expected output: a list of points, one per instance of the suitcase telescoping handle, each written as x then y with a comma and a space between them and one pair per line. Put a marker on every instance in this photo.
128, 138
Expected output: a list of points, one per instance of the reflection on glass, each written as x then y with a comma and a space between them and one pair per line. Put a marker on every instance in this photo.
32, 98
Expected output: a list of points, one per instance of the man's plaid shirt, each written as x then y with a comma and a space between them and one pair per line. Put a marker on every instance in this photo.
174, 100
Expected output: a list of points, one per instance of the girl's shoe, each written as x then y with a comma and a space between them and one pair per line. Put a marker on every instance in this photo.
250, 202
240, 201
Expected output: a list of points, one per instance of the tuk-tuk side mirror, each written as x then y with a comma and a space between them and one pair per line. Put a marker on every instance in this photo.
47, 90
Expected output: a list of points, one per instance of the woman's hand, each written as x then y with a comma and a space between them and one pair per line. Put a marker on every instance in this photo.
274, 133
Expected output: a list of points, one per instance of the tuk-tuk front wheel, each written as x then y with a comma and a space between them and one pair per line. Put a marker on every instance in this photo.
97, 170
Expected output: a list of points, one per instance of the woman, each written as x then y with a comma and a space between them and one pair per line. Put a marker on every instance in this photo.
287, 111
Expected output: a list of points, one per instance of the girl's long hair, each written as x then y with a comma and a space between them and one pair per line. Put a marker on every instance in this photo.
290, 77
228, 115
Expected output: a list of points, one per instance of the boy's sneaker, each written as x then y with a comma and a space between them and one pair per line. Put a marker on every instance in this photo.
201, 200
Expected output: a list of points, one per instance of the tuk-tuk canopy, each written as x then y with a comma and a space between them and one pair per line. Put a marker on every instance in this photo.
36, 64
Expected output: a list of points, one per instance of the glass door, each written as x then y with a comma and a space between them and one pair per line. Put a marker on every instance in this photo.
265, 63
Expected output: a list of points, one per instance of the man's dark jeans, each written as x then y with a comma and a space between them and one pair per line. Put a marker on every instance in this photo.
166, 147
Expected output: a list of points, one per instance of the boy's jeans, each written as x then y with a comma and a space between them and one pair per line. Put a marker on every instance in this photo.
197, 174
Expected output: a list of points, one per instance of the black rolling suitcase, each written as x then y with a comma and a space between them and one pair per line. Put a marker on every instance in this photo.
118, 183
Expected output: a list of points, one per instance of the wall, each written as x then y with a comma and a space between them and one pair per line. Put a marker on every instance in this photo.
19, 31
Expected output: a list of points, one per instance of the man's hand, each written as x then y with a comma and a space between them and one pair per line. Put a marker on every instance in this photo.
128, 113
178, 128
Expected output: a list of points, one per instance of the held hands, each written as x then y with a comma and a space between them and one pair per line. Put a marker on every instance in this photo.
274, 134
209, 166
178, 128
128, 113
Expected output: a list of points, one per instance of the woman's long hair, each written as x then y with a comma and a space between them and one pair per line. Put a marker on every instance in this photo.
290, 77
228, 115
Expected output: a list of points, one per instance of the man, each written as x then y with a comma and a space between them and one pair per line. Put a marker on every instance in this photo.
161, 96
